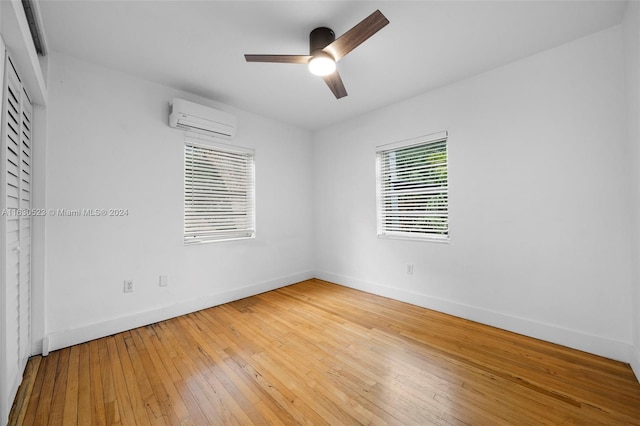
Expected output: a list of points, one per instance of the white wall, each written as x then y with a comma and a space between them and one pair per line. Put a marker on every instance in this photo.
540, 177
109, 146
631, 31
540, 212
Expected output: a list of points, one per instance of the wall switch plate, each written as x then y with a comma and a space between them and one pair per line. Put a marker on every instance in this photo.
128, 286
409, 269
164, 280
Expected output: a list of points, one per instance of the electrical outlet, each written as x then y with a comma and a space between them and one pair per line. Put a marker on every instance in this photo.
164, 280
128, 286
409, 269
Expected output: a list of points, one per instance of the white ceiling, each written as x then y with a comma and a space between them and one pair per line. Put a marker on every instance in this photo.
198, 46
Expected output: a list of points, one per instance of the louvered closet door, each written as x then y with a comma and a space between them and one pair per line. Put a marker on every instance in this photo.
25, 231
16, 182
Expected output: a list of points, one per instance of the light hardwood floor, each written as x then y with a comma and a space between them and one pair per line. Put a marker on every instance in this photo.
318, 353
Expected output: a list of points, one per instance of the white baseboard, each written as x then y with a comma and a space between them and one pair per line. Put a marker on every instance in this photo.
598, 345
66, 338
620, 351
635, 362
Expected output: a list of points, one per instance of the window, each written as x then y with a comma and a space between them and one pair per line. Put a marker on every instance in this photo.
412, 189
218, 193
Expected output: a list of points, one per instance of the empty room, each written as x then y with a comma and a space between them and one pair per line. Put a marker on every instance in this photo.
320, 212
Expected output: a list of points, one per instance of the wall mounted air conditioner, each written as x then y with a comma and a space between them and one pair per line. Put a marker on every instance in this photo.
202, 119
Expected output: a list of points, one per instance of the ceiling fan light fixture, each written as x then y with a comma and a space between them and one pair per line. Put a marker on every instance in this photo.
322, 64
325, 50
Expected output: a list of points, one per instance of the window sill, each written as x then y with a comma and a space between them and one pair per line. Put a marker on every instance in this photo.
197, 243
418, 238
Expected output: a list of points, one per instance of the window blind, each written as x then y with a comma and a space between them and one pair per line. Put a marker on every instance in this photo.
412, 183
219, 202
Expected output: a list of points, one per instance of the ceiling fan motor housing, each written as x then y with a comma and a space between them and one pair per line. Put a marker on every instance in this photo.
320, 38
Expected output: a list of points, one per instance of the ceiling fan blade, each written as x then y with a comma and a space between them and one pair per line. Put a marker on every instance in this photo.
357, 35
335, 83
285, 59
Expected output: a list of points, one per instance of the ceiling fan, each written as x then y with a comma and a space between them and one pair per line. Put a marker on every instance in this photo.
325, 50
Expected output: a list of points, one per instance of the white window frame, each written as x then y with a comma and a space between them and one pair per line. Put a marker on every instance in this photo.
384, 192
195, 233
